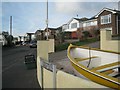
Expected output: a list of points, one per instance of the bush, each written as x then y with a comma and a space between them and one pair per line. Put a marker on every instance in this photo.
86, 34
64, 46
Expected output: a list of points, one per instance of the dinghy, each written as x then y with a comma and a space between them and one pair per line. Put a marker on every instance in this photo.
100, 66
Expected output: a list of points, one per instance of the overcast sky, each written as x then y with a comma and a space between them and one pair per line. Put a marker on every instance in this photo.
31, 16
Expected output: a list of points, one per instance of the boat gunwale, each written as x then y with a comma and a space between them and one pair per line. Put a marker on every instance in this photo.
96, 49
94, 72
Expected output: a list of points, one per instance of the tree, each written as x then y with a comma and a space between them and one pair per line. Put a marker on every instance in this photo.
80, 34
9, 40
20, 38
95, 31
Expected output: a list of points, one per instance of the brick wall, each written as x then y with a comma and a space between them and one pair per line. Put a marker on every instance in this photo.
113, 23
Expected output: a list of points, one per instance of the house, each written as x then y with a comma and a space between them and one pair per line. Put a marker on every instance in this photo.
52, 32
64, 27
21, 38
72, 26
15, 40
109, 19
39, 34
3, 37
3, 40
30, 36
90, 25
105, 19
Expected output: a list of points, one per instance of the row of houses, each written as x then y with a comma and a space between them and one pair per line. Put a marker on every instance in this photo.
105, 19
3, 40
6, 39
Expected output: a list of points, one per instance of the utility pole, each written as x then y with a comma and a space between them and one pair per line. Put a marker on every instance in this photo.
10, 25
47, 20
77, 15
119, 5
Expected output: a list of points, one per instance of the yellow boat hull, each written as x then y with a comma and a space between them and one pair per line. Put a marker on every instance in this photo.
92, 74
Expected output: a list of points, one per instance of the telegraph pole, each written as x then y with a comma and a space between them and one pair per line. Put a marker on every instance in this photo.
10, 25
119, 5
47, 20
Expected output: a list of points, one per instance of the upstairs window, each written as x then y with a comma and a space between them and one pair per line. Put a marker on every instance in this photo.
106, 19
74, 25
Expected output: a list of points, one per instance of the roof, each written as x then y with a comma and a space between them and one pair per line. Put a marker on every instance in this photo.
30, 33
79, 19
58, 28
52, 28
40, 30
92, 18
107, 9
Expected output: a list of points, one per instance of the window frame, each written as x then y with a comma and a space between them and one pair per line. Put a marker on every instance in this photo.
106, 19
74, 26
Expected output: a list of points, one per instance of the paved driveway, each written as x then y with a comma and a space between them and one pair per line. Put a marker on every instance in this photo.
61, 60
94, 45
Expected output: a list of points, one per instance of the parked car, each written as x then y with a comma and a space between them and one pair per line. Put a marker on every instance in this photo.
33, 44
25, 43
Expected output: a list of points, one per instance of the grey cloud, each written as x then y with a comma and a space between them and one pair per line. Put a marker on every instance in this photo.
83, 8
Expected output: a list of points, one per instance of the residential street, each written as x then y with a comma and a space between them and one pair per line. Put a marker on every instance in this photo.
14, 72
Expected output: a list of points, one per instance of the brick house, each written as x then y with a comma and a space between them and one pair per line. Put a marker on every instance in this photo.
106, 18
72, 26
109, 19
90, 25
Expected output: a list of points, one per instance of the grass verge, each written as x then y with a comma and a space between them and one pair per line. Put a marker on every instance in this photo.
64, 46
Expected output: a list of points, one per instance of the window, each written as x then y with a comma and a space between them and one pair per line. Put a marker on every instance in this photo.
65, 27
88, 24
74, 25
106, 19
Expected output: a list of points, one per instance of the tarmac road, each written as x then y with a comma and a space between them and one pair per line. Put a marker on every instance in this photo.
14, 72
